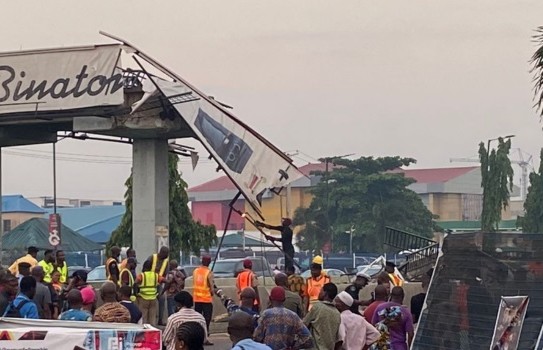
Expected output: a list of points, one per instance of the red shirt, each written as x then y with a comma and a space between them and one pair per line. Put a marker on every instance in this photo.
370, 310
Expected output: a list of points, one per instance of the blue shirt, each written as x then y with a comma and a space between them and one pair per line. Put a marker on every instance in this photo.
249, 344
29, 310
75, 315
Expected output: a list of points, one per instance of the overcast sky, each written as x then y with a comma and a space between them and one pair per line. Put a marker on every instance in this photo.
424, 79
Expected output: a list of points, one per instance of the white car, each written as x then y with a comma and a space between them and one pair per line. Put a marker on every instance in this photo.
328, 272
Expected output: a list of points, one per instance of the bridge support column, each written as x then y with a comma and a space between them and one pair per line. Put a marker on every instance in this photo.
150, 195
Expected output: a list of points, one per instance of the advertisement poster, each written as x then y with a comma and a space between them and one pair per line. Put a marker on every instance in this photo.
57, 338
511, 313
60, 79
252, 164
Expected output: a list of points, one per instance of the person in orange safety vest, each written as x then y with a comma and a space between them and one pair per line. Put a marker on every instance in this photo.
395, 279
314, 284
203, 291
247, 278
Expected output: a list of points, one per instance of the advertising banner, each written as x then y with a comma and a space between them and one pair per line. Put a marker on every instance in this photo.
248, 161
511, 313
65, 338
62, 79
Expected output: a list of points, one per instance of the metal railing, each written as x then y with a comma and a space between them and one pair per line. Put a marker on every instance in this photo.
420, 261
404, 240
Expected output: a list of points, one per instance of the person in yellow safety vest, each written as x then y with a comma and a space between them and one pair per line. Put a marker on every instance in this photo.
395, 279
314, 285
159, 264
247, 278
130, 253
147, 282
203, 291
61, 266
47, 265
126, 278
112, 265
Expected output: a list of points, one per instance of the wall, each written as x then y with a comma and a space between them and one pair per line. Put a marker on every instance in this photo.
447, 205
216, 213
18, 218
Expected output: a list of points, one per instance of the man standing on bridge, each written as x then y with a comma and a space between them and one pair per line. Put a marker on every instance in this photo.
286, 239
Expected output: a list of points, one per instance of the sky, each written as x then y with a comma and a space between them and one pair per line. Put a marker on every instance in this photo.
421, 79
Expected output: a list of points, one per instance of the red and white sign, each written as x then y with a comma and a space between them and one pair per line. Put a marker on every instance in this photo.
54, 229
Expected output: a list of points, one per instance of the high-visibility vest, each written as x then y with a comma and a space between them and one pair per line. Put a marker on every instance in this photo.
395, 280
245, 279
63, 272
48, 270
130, 277
314, 287
201, 289
108, 262
149, 282
162, 268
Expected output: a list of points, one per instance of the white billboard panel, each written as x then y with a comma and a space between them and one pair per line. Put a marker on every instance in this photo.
63, 79
249, 162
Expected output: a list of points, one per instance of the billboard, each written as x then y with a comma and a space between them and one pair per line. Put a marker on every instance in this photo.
245, 156
61, 79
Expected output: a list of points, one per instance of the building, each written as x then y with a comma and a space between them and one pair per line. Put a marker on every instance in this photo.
210, 201
16, 209
452, 194
48, 202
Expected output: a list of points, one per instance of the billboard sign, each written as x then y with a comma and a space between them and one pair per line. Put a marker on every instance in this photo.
509, 322
248, 161
62, 79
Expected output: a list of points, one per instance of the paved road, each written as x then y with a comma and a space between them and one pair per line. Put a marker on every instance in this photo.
221, 341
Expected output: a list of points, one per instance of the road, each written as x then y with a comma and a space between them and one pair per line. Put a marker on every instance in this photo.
221, 342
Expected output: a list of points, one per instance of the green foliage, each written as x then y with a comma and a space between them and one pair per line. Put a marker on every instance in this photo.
366, 195
497, 182
186, 235
532, 221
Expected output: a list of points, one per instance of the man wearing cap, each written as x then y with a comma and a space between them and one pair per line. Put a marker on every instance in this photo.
323, 319
247, 278
79, 281
29, 258
203, 291
286, 238
314, 284
361, 280
355, 332
395, 279
280, 328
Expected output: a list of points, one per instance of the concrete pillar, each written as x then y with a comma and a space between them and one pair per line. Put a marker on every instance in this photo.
150, 207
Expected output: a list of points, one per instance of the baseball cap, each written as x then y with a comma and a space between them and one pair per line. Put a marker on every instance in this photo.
88, 295
247, 263
277, 294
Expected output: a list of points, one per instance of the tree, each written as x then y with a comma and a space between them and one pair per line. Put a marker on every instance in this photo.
532, 221
497, 182
186, 235
364, 194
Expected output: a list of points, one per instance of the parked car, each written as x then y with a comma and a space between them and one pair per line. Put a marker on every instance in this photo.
232, 267
188, 270
97, 275
372, 270
329, 272
72, 269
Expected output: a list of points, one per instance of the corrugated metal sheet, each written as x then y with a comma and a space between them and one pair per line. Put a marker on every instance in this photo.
35, 232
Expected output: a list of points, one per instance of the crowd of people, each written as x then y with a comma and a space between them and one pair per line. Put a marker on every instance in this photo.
299, 313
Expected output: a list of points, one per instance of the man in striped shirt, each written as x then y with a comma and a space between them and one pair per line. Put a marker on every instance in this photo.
185, 314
